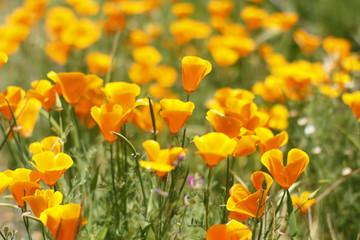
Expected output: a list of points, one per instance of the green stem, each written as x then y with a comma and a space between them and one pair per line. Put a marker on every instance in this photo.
226, 195
112, 172
207, 198
135, 155
43, 231
257, 214
277, 209
113, 52
184, 132
152, 118
2, 235
8, 205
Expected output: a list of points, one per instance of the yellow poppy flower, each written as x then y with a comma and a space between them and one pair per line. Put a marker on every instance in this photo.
42, 200
193, 69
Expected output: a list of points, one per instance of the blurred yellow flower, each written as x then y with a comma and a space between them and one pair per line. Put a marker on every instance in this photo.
98, 63
303, 202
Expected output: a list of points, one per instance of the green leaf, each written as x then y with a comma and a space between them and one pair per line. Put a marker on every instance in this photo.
291, 214
95, 179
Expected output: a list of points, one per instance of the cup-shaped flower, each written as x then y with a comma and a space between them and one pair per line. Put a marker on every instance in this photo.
42, 200
268, 141
51, 166
3, 58
141, 117
43, 91
297, 161
214, 147
161, 161
303, 202
246, 143
63, 221
4, 182
52, 144
72, 84
13, 95
194, 69
24, 182
225, 124
242, 204
27, 113
176, 113
122, 93
229, 231
109, 117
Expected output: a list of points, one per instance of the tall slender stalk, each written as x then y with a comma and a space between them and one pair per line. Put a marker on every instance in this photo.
226, 195
277, 210
113, 52
184, 132
152, 114
207, 198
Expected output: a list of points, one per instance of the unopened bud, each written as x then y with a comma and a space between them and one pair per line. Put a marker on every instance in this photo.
58, 104
264, 184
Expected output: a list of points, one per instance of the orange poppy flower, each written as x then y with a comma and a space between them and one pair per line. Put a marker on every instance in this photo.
246, 143
58, 52
165, 76
229, 231
51, 166
193, 69
43, 91
141, 117
122, 93
272, 90
3, 58
147, 55
81, 34
24, 182
297, 161
229, 125
182, 10
303, 202
281, 21
220, 8
109, 117
98, 63
253, 16
72, 85
214, 147
307, 42
161, 161
85, 7
4, 182
176, 113
278, 117
244, 110
139, 38
353, 101
51, 143
224, 56
268, 141
242, 204
13, 95
63, 221
185, 30
26, 114
339, 46
58, 19
42, 200
141, 74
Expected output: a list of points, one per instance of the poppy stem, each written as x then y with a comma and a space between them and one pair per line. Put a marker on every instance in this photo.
113, 52
152, 118
26, 222
226, 187
277, 210
257, 214
112, 172
2, 235
43, 231
207, 198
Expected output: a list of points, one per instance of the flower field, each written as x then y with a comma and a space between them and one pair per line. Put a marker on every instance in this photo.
176, 119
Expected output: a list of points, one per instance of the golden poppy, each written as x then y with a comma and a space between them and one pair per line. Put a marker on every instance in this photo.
176, 113
72, 84
122, 93
253, 16
229, 125
165, 76
353, 101
297, 161
141, 117
139, 38
13, 95
58, 52
220, 8
339, 46
214, 147
242, 204
98, 63
26, 114
42, 200
85, 7
246, 143
3, 58
147, 55
51, 166
193, 69
182, 10
185, 30
43, 91
51, 143
57, 20
24, 182
63, 221
109, 117
229, 231
161, 161
303, 202
307, 42
268, 141
4, 182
